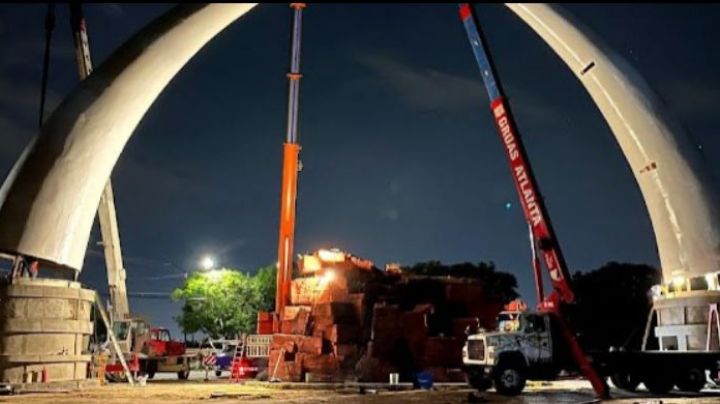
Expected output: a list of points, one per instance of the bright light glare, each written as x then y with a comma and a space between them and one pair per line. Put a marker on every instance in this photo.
331, 255
327, 277
311, 263
207, 263
678, 281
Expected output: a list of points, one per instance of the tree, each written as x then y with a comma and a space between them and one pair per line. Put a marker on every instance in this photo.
220, 303
613, 303
501, 283
266, 279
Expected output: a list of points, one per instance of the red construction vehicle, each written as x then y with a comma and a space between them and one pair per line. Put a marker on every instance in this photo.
149, 350
161, 344
538, 345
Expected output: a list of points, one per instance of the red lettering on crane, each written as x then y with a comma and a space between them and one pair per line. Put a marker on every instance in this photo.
518, 165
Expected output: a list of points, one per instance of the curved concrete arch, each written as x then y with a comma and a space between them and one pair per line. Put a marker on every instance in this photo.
48, 203
49, 200
675, 185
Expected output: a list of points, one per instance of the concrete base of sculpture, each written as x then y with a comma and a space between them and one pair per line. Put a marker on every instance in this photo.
45, 331
683, 321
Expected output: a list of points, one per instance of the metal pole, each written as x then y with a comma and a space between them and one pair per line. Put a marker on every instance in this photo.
294, 76
49, 27
537, 270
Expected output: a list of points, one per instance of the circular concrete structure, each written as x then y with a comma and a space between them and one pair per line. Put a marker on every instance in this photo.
682, 320
45, 324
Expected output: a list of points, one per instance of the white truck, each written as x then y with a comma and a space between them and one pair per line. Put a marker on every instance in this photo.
527, 346
521, 348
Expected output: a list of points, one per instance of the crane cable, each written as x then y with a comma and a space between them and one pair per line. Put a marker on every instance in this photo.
49, 28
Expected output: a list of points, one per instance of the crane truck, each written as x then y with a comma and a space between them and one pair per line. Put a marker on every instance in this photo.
147, 349
540, 344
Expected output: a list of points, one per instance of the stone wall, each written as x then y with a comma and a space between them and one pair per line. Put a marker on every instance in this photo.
44, 325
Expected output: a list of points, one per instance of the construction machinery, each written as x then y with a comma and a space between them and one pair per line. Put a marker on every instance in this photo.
291, 166
540, 344
543, 238
269, 322
148, 350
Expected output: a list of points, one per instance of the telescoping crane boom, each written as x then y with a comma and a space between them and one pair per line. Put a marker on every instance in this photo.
107, 216
542, 235
291, 151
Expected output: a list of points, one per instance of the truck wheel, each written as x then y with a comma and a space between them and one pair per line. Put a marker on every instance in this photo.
692, 380
218, 373
658, 383
183, 374
509, 379
475, 378
625, 381
151, 368
115, 377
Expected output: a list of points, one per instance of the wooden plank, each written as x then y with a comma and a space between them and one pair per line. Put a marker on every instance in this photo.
344, 333
310, 345
461, 324
442, 351
286, 342
339, 312
320, 363
292, 312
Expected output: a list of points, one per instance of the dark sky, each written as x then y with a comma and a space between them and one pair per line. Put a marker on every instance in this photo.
401, 162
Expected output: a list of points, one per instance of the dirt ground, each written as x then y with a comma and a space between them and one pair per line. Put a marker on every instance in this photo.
221, 391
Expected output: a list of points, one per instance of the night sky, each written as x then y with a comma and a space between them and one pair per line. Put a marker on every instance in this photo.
401, 161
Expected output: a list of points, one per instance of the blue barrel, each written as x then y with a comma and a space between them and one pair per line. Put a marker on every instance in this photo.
424, 380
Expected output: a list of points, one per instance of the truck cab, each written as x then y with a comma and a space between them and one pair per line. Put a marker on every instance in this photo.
153, 347
131, 334
161, 344
521, 348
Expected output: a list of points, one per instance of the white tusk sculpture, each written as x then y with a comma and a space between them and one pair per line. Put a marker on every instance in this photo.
679, 196
49, 200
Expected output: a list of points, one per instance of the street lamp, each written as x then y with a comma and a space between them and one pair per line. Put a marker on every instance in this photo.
207, 263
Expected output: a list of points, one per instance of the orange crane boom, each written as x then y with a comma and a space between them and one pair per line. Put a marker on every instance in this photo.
291, 152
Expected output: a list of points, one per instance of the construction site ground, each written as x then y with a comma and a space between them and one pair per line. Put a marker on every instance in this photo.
165, 389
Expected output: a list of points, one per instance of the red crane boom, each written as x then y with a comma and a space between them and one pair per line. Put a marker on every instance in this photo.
542, 235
